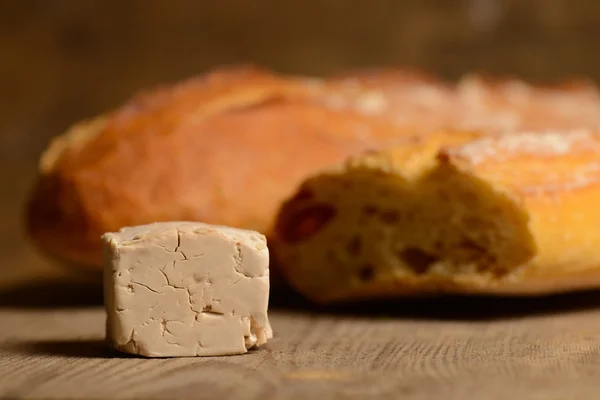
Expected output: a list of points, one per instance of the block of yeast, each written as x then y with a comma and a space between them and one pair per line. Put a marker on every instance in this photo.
457, 213
186, 289
191, 150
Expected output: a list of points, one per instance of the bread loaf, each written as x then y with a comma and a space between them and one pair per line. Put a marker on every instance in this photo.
224, 148
229, 146
456, 212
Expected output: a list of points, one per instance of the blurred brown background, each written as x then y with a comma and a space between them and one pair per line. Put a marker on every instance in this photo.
61, 60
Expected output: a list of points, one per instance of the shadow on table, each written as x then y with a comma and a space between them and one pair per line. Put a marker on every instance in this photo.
52, 294
466, 308
60, 294
64, 348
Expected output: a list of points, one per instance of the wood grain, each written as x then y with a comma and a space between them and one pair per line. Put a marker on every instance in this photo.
419, 349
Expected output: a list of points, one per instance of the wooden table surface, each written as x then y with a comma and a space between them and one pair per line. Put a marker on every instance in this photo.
66, 60
51, 347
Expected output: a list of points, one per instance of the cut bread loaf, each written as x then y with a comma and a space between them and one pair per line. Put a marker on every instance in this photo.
456, 212
228, 147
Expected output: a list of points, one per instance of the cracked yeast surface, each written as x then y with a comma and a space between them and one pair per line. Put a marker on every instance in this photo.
186, 289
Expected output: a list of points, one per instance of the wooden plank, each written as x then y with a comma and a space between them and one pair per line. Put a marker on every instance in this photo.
536, 349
